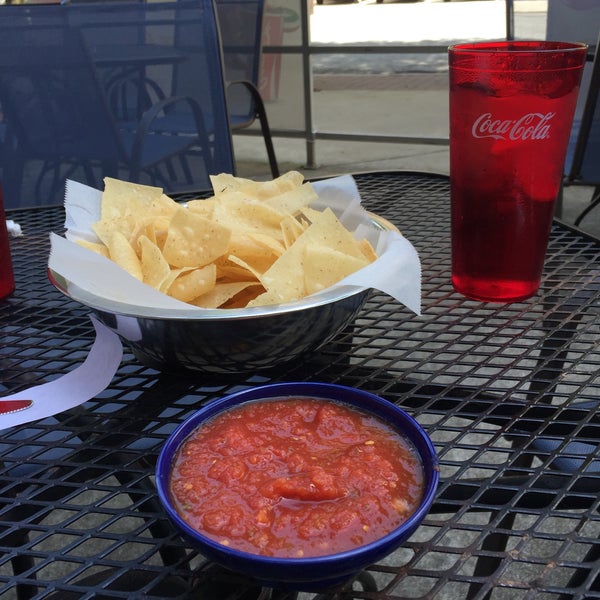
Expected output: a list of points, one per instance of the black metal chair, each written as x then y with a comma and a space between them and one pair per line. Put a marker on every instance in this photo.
61, 68
241, 26
582, 166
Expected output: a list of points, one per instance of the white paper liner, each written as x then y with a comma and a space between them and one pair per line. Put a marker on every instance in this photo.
396, 272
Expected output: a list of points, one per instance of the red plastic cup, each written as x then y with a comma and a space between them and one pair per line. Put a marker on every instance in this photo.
511, 110
7, 281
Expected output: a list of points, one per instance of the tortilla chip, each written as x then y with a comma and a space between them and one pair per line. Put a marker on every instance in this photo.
122, 252
324, 266
194, 283
155, 269
222, 293
193, 241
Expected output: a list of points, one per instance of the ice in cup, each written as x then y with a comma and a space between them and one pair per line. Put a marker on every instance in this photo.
511, 110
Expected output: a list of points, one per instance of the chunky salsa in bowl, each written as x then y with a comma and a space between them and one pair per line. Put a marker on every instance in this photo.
299, 485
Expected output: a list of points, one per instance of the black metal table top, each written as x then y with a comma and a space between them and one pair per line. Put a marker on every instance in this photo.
508, 394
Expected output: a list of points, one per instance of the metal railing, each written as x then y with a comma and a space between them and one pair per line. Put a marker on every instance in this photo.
307, 50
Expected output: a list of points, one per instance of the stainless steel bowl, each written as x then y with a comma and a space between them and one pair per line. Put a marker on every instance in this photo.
226, 340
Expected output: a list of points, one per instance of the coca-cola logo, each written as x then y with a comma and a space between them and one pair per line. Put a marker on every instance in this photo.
532, 126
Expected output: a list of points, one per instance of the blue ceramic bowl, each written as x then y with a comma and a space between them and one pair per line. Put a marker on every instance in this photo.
310, 573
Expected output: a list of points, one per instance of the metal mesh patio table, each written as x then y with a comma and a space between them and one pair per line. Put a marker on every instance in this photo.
508, 394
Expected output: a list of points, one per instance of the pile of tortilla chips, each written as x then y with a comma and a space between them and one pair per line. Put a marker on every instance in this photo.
251, 244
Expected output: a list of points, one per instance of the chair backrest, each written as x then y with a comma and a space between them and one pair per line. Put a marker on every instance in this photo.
53, 106
174, 50
241, 25
130, 47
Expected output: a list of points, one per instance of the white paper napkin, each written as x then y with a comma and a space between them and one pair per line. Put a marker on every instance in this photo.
74, 388
396, 272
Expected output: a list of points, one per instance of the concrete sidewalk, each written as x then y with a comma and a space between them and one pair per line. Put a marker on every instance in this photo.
412, 104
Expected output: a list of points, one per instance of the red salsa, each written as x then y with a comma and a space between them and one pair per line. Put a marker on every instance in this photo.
295, 477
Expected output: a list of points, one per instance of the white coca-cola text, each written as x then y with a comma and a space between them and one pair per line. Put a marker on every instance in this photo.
532, 126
